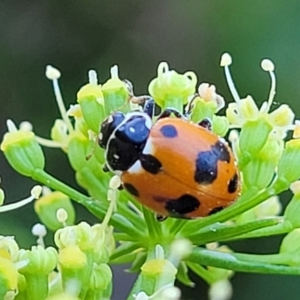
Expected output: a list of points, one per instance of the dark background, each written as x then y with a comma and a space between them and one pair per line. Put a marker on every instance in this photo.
191, 35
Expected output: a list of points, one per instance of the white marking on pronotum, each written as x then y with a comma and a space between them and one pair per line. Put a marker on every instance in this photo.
100, 136
136, 168
148, 149
110, 119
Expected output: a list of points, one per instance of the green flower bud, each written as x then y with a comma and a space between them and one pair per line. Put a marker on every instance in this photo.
22, 151
41, 261
289, 163
77, 151
87, 159
94, 240
202, 109
9, 248
80, 124
75, 266
47, 206
115, 92
260, 170
59, 133
70, 235
258, 173
292, 211
71, 257
290, 246
220, 125
101, 277
157, 273
84, 153
283, 116
90, 99
248, 109
81, 248
253, 137
170, 89
206, 103
8, 277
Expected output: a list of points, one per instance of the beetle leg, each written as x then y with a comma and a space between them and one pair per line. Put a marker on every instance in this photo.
149, 107
105, 168
167, 113
206, 123
161, 218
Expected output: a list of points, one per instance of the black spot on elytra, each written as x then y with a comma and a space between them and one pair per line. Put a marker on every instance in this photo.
169, 131
131, 189
150, 163
215, 210
183, 205
207, 163
233, 184
221, 151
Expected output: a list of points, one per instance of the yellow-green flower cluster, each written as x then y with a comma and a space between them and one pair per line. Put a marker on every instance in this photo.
260, 147
161, 252
83, 256
78, 269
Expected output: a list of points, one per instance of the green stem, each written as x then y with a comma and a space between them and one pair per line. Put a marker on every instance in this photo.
220, 232
36, 286
134, 218
281, 228
243, 204
98, 209
277, 259
124, 237
176, 226
201, 271
124, 249
229, 262
154, 227
174, 103
45, 178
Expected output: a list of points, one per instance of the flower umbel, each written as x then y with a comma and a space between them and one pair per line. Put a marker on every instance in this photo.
161, 252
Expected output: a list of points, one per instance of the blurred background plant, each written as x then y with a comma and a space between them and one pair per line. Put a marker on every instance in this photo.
137, 35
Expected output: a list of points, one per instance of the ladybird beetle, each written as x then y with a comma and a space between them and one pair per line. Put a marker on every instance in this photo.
174, 167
